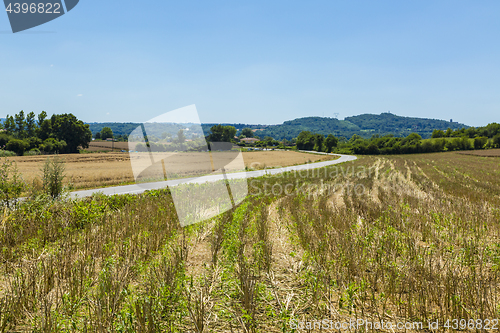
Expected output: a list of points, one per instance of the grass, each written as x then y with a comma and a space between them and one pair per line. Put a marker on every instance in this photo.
399, 238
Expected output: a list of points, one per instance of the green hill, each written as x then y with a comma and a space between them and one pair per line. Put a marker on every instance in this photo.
401, 126
364, 125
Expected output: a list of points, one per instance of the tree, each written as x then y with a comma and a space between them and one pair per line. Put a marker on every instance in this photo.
480, 142
330, 142
98, 135
438, 134
10, 125
106, 133
66, 127
496, 140
247, 132
305, 141
318, 142
45, 130
181, 138
20, 131
41, 117
31, 127
220, 133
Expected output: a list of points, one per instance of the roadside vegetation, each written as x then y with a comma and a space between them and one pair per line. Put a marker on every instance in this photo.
394, 238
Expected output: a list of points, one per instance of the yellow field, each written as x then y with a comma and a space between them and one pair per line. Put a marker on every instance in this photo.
95, 170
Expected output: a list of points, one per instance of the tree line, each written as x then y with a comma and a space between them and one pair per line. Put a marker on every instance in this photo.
62, 133
449, 140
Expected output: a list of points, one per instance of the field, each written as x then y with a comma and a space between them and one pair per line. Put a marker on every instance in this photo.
485, 153
95, 170
400, 239
107, 146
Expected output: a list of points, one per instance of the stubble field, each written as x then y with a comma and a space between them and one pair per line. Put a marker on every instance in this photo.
393, 239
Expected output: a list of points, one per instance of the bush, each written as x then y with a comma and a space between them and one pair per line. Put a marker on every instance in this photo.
12, 184
7, 153
33, 152
52, 145
53, 176
17, 146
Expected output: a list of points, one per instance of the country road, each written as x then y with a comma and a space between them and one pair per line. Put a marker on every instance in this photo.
140, 188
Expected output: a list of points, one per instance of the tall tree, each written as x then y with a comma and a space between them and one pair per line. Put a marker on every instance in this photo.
181, 138
20, 131
31, 124
41, 117
45, 130
10, 125
318, 142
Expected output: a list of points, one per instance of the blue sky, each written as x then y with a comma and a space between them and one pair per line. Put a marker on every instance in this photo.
258, 61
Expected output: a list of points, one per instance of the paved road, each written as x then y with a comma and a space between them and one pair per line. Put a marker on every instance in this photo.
136, 189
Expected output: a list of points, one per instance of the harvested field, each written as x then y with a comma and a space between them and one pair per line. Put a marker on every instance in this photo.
107, 146
484, 153
95, 170
417, 241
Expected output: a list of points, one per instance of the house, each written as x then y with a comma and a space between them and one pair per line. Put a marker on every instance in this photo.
249, 140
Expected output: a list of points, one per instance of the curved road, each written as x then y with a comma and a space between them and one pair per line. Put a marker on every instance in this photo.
136, 188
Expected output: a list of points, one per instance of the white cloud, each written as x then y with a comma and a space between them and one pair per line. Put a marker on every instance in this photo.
107, 113
79, 95
51, 65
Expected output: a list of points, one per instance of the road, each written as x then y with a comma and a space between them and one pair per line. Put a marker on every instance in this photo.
140, 188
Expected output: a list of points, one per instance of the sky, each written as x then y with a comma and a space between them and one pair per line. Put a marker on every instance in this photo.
257, 62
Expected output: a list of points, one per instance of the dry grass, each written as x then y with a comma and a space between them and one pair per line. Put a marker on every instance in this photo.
104, 169
420, 242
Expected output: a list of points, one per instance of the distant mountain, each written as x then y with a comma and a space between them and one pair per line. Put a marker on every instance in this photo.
364, 125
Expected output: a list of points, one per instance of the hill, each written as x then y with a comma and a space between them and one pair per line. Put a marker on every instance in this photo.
401, 126
364, 125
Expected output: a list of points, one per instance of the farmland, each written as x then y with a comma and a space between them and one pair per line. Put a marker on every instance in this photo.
95, 170
394, 239
485, 153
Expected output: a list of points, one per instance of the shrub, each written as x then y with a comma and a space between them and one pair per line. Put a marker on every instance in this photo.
7, 153
12, 184
52, 145
17, 146
33, 152
53, 176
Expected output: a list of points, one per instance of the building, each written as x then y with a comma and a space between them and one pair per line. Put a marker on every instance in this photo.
249, 140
